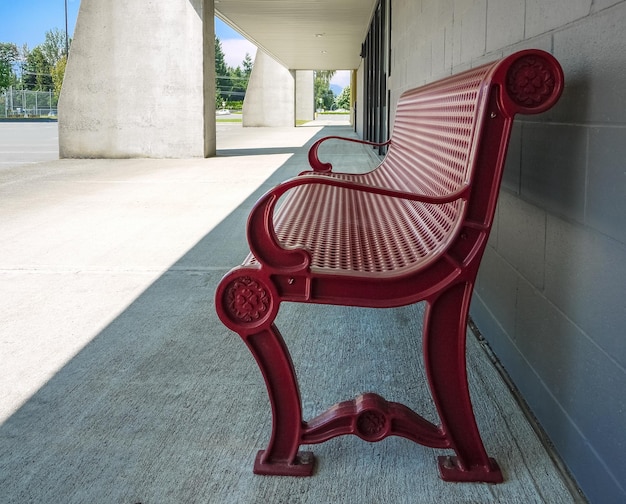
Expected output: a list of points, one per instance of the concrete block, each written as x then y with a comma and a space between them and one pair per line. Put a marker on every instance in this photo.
554, 161
445, 11
493, 332
439, 69
497, 288
592, 56
542, 16
473, 31
606, 210
586, 280
511, 178
599, 5
493, 236
521, 237
543, 42
448, 30
549, 358
456, 44
582, 381
505, 23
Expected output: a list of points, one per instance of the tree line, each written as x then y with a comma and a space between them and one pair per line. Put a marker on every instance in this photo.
43, 67
39, 69
230, 83
325, 98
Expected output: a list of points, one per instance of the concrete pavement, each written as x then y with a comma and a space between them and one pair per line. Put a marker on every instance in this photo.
23, 142
119, 384
82, 238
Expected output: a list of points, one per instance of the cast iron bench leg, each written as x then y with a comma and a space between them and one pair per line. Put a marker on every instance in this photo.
444, 354
281, 456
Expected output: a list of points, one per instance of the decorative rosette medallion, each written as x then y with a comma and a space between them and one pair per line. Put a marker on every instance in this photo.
248, 303
371, 425
530, 81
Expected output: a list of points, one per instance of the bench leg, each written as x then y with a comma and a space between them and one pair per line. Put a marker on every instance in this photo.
281, 456
445, 329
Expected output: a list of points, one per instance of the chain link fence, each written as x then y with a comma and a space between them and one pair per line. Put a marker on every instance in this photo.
23, 103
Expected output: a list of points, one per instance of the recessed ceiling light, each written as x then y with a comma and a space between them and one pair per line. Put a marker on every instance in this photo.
319, 35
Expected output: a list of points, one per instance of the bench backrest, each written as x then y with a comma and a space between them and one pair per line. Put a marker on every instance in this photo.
434, 134
438, 127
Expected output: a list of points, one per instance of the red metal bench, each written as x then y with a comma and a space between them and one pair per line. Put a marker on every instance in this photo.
413, 229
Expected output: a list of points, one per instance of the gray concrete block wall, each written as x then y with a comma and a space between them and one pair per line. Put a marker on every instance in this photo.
551, 293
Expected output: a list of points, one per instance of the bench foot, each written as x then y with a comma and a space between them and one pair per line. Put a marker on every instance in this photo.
451, 470
303, 466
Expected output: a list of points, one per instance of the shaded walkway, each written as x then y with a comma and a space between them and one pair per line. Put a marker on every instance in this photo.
119, 384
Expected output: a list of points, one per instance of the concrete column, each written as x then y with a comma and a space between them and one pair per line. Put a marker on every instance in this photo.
305, 95
140, 81
358, 89
270, 97
353, 96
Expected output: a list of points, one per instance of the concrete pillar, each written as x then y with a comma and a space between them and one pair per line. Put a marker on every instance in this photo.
140, 81
358, 88
353, 96
305, 96
270, 97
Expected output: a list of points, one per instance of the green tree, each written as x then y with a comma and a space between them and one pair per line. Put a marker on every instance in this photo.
37, 71
343, 100
230, 83
53, 47
324, 97
247, 67
222, 80
58, 73
240, 78
238, 83
42, 61
9, 55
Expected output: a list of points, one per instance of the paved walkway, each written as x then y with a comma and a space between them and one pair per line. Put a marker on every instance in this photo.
25, 142
119, 384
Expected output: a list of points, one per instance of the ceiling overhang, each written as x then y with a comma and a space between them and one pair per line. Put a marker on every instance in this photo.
303, 34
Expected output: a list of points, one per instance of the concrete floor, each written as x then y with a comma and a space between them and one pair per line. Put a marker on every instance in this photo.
120, 385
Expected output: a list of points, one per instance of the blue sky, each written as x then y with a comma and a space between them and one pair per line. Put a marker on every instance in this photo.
27, 21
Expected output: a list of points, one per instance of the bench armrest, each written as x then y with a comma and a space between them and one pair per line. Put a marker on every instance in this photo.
265, 245
320, 167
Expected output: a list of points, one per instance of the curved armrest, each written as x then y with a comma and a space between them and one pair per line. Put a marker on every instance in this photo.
265, 245
320, 167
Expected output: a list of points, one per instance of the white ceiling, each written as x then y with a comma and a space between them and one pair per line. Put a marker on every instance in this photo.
303, 34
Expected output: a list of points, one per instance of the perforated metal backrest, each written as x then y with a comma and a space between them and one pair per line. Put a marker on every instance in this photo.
433, 138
